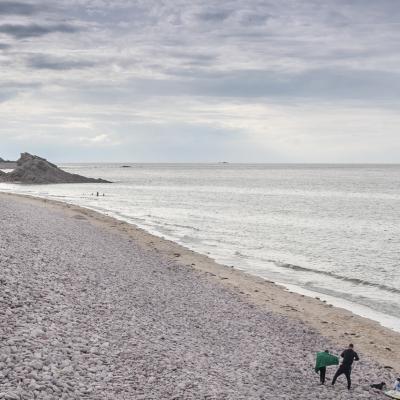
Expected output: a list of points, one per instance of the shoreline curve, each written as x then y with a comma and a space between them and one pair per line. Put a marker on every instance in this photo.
336, 324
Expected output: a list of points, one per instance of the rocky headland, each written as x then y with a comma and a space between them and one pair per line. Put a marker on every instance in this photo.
33, 169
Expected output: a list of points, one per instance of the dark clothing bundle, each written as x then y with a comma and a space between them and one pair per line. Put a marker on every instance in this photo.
378, 386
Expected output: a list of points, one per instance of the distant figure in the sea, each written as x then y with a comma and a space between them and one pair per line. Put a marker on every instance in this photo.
324, 359
396, 386
348, 355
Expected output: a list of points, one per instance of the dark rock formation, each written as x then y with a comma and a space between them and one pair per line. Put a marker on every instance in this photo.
34, 169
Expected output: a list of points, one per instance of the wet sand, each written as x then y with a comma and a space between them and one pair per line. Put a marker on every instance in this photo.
92, 307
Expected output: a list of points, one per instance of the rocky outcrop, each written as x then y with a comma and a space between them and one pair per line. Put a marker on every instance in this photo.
34, 169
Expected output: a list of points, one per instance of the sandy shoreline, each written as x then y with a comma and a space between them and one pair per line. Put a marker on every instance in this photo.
337, 325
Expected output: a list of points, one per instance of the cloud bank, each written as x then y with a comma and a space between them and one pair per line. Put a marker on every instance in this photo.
180, 80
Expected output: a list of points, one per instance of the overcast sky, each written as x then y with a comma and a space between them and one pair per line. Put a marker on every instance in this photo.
196, 80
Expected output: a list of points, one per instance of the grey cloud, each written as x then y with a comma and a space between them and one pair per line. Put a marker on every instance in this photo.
319, 84
17, 8
327, 85
35, 30
198, 63
43, 61
239, 51
194, 59
251, 19
214, 16
193, 56
12, 89
7, 95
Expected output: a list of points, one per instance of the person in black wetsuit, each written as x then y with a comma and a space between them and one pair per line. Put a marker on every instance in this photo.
348, 355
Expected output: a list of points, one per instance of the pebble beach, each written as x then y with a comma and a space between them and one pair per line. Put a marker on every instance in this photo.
89, 312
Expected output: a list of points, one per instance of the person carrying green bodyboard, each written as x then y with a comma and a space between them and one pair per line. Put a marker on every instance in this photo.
324, 359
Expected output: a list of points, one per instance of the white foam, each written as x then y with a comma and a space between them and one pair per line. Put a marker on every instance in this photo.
385, 320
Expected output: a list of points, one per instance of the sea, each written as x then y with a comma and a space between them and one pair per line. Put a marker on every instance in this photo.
327, 231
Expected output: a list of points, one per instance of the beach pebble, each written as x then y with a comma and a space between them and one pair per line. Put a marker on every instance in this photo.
11, 396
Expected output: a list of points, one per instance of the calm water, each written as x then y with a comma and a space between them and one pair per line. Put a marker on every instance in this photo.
334, 230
